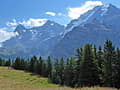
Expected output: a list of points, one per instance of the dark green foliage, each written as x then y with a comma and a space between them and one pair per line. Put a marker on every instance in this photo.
61, 71
89, 72
79, 57
49, 67
55, 73
40, 66
117, 70
109, 63
44, 70
32, 63
100, 62
69, 73
17, 64
8, 63
1, 62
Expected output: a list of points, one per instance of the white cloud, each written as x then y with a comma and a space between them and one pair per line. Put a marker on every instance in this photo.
5, 35
76, 12
60, 14
55, 14
51, 13
14, 23
34, 22
29, 23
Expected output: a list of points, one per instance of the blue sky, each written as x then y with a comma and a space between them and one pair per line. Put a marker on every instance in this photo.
21, 10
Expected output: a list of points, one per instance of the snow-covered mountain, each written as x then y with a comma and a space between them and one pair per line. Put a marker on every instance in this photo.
95, 26
33, 41
107, 14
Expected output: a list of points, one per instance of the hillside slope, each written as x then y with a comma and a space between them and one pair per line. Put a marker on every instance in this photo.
19, 80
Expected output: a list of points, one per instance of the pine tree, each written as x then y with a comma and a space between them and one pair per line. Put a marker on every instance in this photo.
1, 62
100, 62
8, 63
44, 70
49, 67
22, 64
55, 73
89, 75
95, 53
69, 73
32, 63
61, 71
109, 59
79, 57
36, 67
17, 63
117, 69
40, 66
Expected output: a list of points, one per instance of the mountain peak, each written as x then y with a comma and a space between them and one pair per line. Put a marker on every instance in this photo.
50, 22
19, 28
111, 5
104, 14
110, 9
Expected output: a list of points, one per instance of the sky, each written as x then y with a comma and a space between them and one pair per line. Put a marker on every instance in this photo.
33, 13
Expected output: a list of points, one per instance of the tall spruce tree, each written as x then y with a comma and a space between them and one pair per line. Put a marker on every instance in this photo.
36, 67
117, 69
17, 63
44, 70
55, 73
109, 62
32, 63
79, 56
49, 67
89, 75
69, 73
8, 63
100, 62
61, 71
40, 66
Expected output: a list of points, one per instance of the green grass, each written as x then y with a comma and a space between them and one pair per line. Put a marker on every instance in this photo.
11, 79
24, 78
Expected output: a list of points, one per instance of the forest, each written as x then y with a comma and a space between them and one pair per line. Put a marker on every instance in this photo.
91, 66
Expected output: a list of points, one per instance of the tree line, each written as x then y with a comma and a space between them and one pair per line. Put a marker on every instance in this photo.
90, 67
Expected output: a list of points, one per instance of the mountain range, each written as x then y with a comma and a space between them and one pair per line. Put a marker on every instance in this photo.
52, 39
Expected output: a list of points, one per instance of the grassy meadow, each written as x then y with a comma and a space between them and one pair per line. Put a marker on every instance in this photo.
11, 79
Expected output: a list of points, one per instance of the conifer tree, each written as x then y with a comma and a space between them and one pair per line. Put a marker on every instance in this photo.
69, 73
17, 64
89, 72
0, 62
49, 67
44, 70
100, 62
117, 69
40, 66
32, 63
109, 59
61, 71
79, 57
